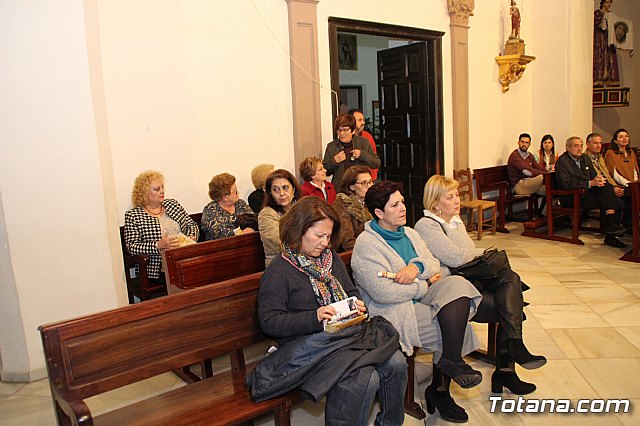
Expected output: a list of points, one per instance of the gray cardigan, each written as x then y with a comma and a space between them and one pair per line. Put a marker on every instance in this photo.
383, 296
453, 248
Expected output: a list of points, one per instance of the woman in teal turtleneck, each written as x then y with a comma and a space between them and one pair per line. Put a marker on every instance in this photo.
429, 308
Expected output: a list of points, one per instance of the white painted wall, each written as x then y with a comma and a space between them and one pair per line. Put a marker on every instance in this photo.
194, 89
56, 261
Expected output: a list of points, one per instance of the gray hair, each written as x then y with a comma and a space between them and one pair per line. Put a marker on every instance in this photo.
569, 143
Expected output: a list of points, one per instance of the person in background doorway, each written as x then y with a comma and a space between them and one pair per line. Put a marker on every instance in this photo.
360, 131
347, 150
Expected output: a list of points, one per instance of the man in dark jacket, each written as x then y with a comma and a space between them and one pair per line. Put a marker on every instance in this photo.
574, 170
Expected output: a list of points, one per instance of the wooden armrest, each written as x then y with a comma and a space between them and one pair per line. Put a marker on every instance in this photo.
73, 407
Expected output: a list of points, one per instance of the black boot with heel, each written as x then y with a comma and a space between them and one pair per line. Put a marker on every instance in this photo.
505, 377
516, 350
437, 396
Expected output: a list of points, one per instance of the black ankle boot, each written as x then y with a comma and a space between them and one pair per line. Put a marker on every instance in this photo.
460, 372
517, 351
510, 381
442, 400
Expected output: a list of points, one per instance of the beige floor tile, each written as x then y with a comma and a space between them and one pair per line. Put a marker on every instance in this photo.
7, 388
593, 343
623, 274
36, 388
631, 418
566, 316
530, 323
551, 295
611, 378
538, 278
598, 293
633, 288
558, 379
570, 419
21, 410
592, 277
619, 314
632, 334
540, 342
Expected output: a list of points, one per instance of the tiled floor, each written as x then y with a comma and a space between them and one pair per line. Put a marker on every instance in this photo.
584, 316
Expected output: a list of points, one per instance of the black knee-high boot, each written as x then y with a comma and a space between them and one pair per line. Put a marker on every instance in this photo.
437, 395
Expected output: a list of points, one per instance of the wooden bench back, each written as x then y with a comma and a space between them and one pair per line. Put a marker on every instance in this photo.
212, 261
490, 179
93, 354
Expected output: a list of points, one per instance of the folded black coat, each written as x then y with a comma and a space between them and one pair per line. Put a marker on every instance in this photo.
318, 362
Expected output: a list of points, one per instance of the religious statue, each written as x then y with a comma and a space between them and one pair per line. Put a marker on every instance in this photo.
515, 20
605, 58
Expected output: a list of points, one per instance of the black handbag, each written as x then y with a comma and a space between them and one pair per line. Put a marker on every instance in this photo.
488, 265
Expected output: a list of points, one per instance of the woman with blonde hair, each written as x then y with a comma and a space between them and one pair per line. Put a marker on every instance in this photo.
155, 223
446, 236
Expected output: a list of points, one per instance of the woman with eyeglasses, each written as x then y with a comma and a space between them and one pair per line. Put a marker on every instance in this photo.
220, 215
282, 190
350, 204
315, 180
348, 150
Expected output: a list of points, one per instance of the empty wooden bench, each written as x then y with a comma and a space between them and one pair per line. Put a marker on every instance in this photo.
97, 353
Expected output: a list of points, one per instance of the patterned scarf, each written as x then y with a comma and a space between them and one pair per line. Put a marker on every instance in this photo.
326, 287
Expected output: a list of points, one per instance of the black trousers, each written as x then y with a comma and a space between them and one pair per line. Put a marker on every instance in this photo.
598, 197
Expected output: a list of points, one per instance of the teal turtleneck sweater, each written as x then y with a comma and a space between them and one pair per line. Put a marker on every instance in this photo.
399, 242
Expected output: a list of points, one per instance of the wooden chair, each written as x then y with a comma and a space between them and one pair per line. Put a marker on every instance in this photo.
495, 179
634, 254
467, 201
555, 212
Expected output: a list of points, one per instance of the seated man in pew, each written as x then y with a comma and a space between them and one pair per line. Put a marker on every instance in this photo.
525, 174
575, 170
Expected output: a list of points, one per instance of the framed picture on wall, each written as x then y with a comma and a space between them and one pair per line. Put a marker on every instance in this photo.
347, 52
350, 97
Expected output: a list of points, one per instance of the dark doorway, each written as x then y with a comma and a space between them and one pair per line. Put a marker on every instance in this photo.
410, 142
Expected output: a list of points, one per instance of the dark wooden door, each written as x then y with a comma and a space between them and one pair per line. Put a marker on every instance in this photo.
409, 138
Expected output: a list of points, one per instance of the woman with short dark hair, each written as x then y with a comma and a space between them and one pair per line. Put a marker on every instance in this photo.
220, 215
296, 293
400, 280
347, 150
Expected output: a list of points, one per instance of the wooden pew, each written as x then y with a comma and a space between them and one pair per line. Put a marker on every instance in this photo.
634, 254
97, 353
212, 261
495, 178
140, 286
555, 212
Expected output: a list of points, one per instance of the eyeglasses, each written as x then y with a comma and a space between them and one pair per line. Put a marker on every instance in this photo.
279, 189
365, 183
344, 130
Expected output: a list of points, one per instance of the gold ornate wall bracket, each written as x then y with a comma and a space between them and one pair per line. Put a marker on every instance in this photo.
512, 68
